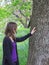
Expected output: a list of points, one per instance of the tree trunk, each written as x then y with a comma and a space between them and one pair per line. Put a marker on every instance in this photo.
39, 42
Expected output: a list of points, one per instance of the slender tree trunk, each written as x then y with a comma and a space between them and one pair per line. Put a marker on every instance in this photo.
39, 42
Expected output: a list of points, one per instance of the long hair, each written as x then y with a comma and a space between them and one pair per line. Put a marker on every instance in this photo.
9, 29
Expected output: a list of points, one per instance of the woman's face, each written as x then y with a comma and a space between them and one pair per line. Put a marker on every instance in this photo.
14, 30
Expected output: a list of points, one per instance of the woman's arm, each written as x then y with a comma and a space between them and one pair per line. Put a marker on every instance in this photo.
6, 50
23, 38
26, 36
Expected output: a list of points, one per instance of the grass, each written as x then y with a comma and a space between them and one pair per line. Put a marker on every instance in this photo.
21, 46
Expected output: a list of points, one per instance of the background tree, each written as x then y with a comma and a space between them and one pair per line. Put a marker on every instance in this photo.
22, 10
15, 10
39, 42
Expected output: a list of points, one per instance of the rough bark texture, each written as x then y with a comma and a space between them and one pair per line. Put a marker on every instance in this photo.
39, 42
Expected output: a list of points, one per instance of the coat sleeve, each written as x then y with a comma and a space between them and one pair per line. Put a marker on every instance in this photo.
23, 38
6, 50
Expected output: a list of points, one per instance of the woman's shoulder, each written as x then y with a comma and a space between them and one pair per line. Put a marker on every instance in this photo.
6, 38
6, 41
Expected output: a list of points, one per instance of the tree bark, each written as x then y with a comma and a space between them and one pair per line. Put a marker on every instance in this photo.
39, 43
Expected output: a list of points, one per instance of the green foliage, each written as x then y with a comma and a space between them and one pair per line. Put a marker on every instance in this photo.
23, 6
7, 11
4, 13
16, 2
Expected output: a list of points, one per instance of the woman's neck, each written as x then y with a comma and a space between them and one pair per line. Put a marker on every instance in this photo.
11, 38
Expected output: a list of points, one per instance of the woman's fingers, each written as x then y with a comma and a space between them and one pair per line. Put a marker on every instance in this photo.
33, 30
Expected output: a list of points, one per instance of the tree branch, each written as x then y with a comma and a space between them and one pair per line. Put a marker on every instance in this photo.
20, 20
21, 13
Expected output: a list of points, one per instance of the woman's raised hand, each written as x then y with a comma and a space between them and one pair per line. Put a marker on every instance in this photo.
33, 30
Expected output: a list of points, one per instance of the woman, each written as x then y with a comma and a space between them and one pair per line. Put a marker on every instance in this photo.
10, 54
